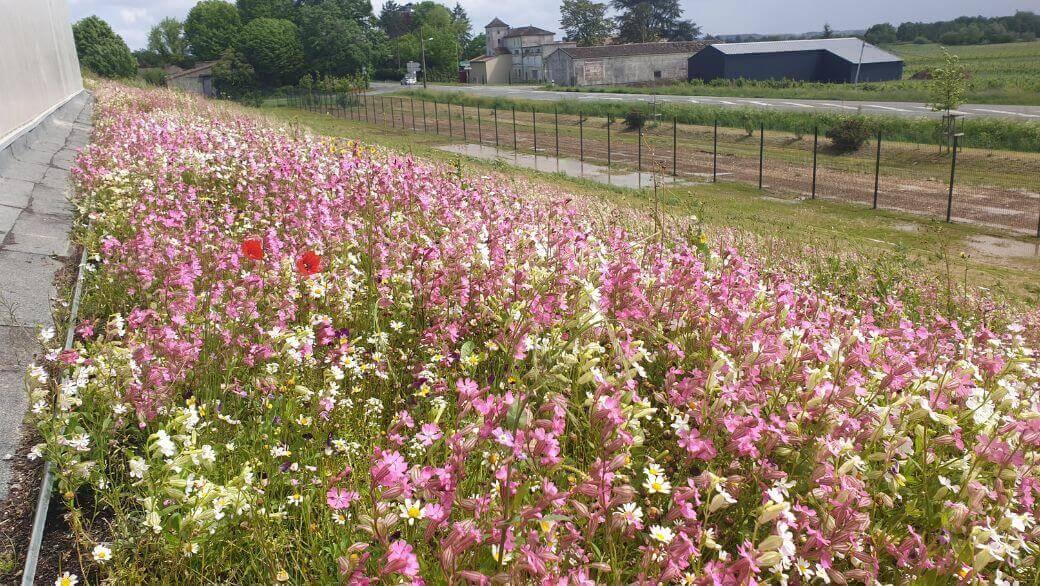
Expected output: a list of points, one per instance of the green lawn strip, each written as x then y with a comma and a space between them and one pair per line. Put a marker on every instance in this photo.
823, 224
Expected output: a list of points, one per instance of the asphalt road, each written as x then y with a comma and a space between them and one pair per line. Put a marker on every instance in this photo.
908, 109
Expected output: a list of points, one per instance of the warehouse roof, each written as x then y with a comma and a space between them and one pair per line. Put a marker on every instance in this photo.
846, 48
632, 49
528, 31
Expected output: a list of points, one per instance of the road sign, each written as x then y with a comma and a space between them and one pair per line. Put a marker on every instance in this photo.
413, 67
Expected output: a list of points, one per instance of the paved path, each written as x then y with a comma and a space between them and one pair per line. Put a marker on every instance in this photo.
905, 109
35, 217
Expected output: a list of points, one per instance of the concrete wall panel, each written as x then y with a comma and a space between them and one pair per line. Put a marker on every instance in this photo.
38, 65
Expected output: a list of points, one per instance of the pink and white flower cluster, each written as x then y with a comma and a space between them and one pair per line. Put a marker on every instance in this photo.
315, 361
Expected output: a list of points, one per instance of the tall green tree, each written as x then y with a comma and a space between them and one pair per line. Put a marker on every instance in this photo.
335, 43
253, 9
585, 22
166, 39
460, 20
272, 46
101, 50
642, 21
828, 32
211, 27
233, 76
395, 19
881, 34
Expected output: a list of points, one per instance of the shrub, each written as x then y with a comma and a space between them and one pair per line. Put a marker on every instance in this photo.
101, 50
635, 120
211, 27
272, 46
155, 77
849, 134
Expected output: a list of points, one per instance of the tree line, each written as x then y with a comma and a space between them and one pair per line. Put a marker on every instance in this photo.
266, 44
966, 30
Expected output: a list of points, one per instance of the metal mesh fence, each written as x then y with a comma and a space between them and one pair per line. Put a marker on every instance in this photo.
956, 182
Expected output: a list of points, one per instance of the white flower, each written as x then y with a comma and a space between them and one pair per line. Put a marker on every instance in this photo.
411, 510
662, 534
67, 579
138, 467
294, 499
655, 484
101, 553
46, 334
631, 513
165, 444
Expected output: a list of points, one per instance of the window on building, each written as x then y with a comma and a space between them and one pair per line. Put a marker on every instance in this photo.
657, 75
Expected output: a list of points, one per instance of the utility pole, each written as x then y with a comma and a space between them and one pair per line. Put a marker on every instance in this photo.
422, 43
860, 64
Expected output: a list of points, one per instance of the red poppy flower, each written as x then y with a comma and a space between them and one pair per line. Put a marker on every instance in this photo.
309, 263
253, 248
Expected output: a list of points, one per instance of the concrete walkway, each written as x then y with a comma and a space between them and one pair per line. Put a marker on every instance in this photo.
35, 217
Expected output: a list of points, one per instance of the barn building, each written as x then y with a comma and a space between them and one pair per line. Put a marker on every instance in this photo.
824, 60
620, 64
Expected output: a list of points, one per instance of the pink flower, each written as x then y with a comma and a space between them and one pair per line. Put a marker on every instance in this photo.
340, 498
697, 447
400, 560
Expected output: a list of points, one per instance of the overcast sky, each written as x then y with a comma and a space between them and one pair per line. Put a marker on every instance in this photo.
133, 18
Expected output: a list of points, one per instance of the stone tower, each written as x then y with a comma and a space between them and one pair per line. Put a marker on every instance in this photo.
495, 30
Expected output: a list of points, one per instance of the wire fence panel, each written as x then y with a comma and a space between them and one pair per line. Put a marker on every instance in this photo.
995, 188
959, 184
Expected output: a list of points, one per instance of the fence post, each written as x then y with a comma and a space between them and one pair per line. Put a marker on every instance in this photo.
639, 148
464, 133
815, 146
411, 103
494, 110
480, 128
610, 120
393, 117
761, 150
674, 144
715, 153
877, 170
451, 130
556, 124
581, 137
382, 110
514, 127
953, 174
425, 129
534, 129
436, 118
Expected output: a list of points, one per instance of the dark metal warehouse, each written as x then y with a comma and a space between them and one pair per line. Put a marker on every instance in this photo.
826, 60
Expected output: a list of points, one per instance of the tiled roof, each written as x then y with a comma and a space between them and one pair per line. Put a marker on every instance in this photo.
846, 48
632, 49
496, 23
199, 68
528, 31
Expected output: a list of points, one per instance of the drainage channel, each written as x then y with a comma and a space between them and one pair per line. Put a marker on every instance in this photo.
32, 554
570, 167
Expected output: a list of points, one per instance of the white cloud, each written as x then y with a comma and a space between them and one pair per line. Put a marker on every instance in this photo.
133, 15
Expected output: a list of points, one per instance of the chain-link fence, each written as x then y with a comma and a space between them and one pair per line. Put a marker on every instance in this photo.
955, 182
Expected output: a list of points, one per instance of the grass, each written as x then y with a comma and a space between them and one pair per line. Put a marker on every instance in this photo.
1000, 74
934, 246
985, 133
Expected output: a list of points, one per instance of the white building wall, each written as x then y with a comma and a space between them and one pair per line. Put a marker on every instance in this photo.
38, 65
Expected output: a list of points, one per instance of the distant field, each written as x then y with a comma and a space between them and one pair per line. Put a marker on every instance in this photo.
1000, 74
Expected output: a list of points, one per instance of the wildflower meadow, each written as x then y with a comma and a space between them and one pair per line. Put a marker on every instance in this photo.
312, 361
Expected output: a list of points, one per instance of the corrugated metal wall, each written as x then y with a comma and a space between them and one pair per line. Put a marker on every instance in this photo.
38, 64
